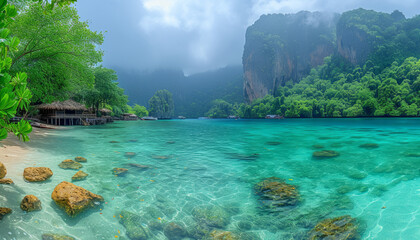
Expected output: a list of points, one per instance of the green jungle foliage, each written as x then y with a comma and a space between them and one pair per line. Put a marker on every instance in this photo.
57, 51
161, 105
14, 94
140, 111
329, 92
105, 92
221, 109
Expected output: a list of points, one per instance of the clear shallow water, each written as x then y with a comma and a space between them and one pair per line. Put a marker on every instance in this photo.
211, 162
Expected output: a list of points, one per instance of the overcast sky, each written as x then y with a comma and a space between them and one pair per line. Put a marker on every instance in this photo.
196, 35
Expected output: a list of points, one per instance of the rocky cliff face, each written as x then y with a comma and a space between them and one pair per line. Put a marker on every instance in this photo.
281, 48
359, 31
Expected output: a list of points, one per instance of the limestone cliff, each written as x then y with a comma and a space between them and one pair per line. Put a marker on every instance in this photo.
281, 48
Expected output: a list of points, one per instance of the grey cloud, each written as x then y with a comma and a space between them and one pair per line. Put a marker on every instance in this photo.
195, 35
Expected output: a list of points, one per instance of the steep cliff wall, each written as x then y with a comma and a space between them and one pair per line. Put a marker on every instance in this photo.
360, 32
281, 48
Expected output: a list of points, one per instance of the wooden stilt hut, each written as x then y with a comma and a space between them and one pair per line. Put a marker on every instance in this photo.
65, 113
106, 113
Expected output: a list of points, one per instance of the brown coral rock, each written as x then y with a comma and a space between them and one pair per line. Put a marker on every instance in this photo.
37, 174
6, 181
70, 164
80, 159
4, 211
74, 199
3, 170
30, 203
80, 175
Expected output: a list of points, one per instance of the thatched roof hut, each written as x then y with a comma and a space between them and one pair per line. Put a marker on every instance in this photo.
66, 105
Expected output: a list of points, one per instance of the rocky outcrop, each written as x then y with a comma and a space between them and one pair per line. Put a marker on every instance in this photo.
74, 199
80, 159
4, 211
30, 203
283, 48
52, 236
3, 170
275, 194
6, 181
80, 175
70, 164
37, 174
339, 228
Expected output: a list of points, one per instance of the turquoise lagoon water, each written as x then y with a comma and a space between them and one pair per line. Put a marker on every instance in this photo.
195, 163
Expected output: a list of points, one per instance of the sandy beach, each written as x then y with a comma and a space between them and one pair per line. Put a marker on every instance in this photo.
13, 151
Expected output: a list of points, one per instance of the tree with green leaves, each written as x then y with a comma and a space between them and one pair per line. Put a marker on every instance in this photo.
140, 111
57, 50
161, 105
104, 92
220, 109
14, 94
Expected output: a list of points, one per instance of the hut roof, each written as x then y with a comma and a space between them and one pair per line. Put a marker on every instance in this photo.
105, 110
66, 105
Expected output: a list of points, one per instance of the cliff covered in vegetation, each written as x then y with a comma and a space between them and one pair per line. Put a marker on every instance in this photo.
372, 71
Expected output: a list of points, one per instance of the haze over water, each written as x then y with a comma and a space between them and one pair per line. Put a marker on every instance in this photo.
196, 163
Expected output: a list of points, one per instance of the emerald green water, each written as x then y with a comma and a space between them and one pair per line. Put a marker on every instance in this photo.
196, 163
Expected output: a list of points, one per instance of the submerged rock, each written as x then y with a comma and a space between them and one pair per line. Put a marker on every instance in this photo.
6, 181
139, 166
3, 170
119, 171
52, 236
412, 154
30, 203
114, 142
246, 157
4, 211
226, 235
174, 231
273, 143
275, 193
130, 154
162, 157
80, 159
170, 142
212, 216
369, 145
74, 199
339, 228
70, 164
37, 174
133, 140
80, 175
317, 146
133, 226
325, 154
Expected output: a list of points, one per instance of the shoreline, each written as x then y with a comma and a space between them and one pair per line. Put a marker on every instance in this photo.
13, 151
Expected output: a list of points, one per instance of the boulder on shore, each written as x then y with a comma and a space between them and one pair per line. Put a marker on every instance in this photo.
52, 236
30, 203
6, 181
339, 228
74, 199
3, 170
80, 175
37, 174
80, 159
70, 164
4, 211
275, 193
